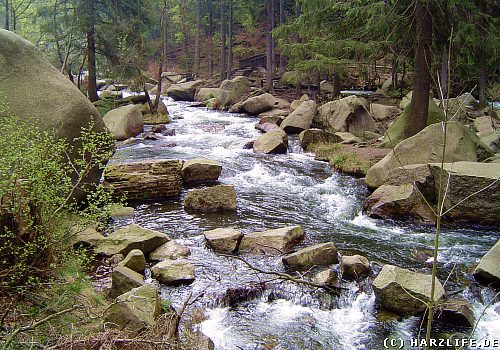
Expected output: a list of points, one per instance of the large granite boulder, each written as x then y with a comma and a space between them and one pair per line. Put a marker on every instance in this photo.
427, 147
316, 255
394, 134
173, 272
354, 266
490, 139
205, 94
135, 311
383, 112
232, 91
275, 242
272, 142
258, 104
460, 106
483, 123
170, 251
201, 170
403, 291
224, 240
317, 136
159, 178
216, 198
297, 103
184, 91
488, 270
33, 88
347, 114
300, 119
124, 280
124, 122
266, 127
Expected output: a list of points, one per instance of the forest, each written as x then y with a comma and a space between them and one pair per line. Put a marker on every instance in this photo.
249, 174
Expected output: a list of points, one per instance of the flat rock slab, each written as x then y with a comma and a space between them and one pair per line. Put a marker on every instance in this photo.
201, 170
174, 272
273, 242
225, 240
145, 179
126, 239
216, 198
124, 280
316, 255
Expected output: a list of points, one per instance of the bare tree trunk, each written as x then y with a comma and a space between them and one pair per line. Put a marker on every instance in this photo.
419, 106
336, 85
394, 72
222, 41
444, 71
282, 21
269, 47
210, 40
273, 42
483, 80
7, 14
230, 49
91, 66
164, 33
196, 67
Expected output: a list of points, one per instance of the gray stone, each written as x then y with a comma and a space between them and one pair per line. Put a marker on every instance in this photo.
124, 122
201, 170
383, 112
170, 251
232, 91
258, 104
275, 242
224, 240
272, 142
347, 114
300, 119
135, 261
173, 272
488, 270
326, 277
205, 94
216, 198
184, 91
124, 280
354, 267
317, 136
316, 255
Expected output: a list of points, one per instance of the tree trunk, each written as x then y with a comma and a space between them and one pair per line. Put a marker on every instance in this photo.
419, 106
230, 49
273, 42
7, 14
91, 66
210, 40
222, 41
394, 72
164, 33
196, 66
444, 71
282, 21
336, 85
483, 80
269, 47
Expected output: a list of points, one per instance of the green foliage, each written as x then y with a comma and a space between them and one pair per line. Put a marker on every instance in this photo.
38, 182
166, 306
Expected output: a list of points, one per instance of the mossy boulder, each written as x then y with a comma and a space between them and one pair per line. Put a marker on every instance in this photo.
216, 198
317, 136
135, 261
225, 240
201, 170
184, 91
124, 280
347, 114
394, 134
205, 94
174, 272
33, 88
124, 122
233, 91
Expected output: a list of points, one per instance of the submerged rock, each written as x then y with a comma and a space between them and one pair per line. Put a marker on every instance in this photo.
170, 251
135, 311
173, 272
319, 254
216, 198
272, 142
403, 291
159, 178
274, 242
224, 240
488, 270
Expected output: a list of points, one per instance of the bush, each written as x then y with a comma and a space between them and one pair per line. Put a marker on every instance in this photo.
37, 182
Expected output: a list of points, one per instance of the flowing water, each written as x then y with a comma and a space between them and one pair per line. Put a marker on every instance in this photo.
294, 189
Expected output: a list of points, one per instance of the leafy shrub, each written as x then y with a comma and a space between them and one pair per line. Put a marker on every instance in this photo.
38, 181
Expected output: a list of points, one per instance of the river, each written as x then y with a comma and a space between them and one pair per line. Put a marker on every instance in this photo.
294, 189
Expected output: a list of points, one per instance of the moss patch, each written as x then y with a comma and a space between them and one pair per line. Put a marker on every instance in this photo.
350, 164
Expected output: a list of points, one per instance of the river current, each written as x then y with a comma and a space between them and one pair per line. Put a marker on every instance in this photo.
295, 189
